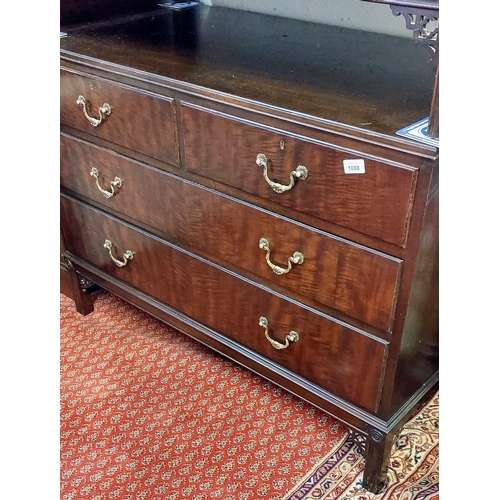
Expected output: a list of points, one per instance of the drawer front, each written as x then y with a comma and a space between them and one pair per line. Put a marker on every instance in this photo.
349, 278
332, 355
140, 121
376, 203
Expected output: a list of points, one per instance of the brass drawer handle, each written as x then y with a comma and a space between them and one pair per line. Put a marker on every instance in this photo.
116, 183
128, 255
296, 258
293, 336
300, 172
104, 110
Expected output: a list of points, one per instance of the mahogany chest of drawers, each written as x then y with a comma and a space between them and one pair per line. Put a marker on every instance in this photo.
276, 219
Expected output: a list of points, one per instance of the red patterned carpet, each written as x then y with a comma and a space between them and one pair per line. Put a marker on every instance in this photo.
147, 413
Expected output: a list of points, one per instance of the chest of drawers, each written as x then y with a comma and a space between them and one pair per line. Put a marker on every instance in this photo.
218, 197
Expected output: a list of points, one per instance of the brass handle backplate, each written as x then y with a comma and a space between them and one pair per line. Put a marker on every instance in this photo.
115, 183
104, 110
296, 258
128, 255
300, 172
293, 336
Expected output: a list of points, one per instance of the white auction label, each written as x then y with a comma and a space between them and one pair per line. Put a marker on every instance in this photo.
354, 166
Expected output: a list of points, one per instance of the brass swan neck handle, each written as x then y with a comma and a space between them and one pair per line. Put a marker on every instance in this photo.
104, 110
293, 336
128, 255
296, 258
115, 183
300, 172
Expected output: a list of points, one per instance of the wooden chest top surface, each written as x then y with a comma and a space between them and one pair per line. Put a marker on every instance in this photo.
375, 82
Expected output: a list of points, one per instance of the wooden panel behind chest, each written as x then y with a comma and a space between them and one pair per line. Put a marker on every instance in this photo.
139, 120
328, 353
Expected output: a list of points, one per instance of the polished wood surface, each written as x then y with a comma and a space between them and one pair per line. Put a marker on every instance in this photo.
419, 352
434, 113
328, 353
377, 203
368, 80
65, 282
132, 112
194, 99
335, 272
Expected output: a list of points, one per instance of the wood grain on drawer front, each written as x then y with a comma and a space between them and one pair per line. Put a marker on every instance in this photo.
139, 120
347, 277
224, 148
332, 355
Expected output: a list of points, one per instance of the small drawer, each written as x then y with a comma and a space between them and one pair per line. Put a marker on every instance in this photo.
227, 149
340, 359
137, 120
349, 278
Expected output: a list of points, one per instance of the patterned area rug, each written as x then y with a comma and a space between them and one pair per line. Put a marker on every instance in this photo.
413, 467
147, 413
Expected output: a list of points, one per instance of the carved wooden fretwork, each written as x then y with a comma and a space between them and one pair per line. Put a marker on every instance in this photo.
425, 27
84, 283
358, 438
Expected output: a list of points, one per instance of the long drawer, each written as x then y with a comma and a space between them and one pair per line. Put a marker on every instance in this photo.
331, 354
138, 120
347, 277
375, 199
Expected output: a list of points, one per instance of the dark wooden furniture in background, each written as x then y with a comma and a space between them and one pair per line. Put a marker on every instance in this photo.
238, 176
